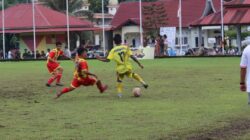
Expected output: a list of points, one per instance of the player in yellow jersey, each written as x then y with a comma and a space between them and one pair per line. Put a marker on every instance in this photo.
121, 54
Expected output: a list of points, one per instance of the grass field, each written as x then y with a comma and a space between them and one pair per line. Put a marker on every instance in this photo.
188, 98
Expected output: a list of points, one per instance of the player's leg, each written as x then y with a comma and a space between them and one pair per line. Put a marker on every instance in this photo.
74, 84
248, 98
59, 76
51, 79
138, 78
119, 84
102, 87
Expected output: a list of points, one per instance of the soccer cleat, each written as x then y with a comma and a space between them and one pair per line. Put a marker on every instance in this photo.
59, 84
145, 86
103, 88
48, 85
119, 95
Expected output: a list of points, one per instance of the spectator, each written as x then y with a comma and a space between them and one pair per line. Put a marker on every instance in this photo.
157, 45
43, 55
165, 38
17, 54
47, 54
10, 55
1, 54
67, 52
25, 54
38, 55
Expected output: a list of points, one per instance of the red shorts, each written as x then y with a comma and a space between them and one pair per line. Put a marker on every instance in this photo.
89, 81
52, 67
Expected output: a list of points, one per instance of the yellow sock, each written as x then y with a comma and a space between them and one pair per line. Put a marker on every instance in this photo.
119, 87
138, 78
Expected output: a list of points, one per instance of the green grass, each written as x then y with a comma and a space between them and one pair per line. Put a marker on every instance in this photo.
186, 96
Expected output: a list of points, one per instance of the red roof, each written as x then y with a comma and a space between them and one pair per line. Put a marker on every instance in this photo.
191, 11
235, 12
19, 18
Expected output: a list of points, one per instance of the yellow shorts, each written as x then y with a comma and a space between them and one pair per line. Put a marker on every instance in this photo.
120, 76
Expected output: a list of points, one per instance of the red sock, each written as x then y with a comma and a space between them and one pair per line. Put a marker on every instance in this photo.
58, 78
65, 90
51, 79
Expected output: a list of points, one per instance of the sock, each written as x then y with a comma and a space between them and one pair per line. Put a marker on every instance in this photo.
138, 78
51, 79
119, 88
99, 85
58, 78
248, 97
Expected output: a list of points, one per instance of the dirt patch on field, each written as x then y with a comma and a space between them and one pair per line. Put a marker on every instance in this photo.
232, 130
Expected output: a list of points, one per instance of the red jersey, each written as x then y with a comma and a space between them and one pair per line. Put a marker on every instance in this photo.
81, 64
54, 54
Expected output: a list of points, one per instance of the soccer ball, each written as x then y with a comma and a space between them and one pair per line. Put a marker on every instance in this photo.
136, 92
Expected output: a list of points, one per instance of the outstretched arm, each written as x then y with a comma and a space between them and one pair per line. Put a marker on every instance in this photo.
103, 59
136, 60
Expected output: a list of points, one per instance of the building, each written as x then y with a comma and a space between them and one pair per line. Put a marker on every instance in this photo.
127, 20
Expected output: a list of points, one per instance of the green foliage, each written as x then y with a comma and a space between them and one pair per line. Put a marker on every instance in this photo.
96, 5
186, 96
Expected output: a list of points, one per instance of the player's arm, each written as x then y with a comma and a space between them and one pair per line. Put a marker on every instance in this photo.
85, 72
103, 59
243, 78
136, 60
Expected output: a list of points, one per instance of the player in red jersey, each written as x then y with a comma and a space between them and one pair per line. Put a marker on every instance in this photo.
82, 76
53, 66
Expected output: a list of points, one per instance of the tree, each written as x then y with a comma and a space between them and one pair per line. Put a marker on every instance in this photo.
60, 5
154, 17
96, 5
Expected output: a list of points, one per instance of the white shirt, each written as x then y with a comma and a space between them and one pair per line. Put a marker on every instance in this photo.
9, 55
245, 63
67, 53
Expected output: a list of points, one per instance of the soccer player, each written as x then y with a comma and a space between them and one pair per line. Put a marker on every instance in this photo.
244, 72
82, 76
121, 54
54, 66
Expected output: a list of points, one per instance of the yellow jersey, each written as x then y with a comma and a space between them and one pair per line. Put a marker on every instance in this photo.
121, 54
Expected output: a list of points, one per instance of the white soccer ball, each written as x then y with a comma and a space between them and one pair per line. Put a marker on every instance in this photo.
136, 92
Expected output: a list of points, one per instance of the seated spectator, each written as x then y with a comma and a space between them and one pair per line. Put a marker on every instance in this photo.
25, 54
43, 55
38, 55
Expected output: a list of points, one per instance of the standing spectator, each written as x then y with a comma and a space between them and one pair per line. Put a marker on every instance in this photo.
47, 54
165, 44
157, 45
67, 52
244, 72
10, 54
1, 54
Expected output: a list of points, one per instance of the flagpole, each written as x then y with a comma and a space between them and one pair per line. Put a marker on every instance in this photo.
103, 31
34, 27
67, 18
222, 27
141, 35
3, 24
180, 25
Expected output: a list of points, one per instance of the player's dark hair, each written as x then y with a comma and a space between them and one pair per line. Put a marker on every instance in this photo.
81, 50
58, 43
117, 39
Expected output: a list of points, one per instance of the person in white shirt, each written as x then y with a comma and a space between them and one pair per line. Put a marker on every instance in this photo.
67, 52
9, 54
245, 72
47, 54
